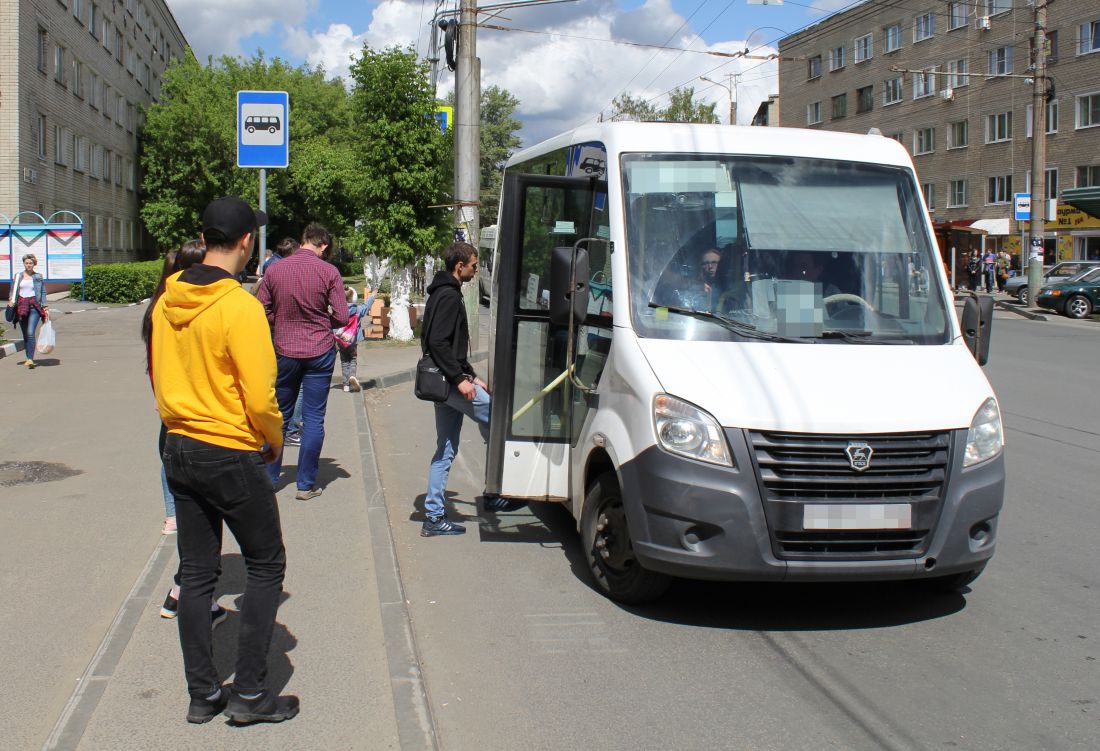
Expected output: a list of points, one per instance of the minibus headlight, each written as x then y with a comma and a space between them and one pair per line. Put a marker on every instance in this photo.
986, 437
689, 431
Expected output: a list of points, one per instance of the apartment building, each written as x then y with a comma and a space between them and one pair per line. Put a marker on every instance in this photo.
937, 75
73, 85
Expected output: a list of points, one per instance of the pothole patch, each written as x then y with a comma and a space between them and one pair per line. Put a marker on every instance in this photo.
33, 473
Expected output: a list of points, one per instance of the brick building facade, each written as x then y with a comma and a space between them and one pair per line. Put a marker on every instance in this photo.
966, 122
73, 85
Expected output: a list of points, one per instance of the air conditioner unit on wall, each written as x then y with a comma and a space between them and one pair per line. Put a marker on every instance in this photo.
30, 175
984, 23
948, 94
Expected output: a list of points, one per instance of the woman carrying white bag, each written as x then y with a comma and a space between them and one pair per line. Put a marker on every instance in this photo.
28, 296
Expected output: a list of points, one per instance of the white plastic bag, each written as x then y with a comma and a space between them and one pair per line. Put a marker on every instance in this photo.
46, 339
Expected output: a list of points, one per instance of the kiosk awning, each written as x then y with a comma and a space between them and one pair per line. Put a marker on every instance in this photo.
1085, 199
992, 226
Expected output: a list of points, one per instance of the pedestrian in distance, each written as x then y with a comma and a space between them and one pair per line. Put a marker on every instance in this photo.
303, 296
447, 340
973, 270
989, 263
1002, 264
28, 297
283, 249
213, 369
348, 338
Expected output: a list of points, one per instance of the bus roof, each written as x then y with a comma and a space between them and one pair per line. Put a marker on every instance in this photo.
626, 137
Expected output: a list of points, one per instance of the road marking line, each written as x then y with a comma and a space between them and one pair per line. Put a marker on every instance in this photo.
92, 684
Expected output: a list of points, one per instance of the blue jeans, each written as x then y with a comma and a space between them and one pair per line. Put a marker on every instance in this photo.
313, 377
448, 427
29, 325
169, 499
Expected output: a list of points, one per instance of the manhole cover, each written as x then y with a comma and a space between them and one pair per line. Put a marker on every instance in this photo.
24, 473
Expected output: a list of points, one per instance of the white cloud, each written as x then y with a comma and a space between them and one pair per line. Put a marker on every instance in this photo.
216, 27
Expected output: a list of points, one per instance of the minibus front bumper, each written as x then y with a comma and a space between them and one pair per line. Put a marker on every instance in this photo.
701, 521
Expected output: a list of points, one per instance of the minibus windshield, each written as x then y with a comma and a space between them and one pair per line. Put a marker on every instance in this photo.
788, 249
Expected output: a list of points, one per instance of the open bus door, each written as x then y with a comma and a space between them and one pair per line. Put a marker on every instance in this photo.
538, 405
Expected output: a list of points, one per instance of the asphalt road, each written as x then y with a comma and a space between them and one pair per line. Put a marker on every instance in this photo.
518, 650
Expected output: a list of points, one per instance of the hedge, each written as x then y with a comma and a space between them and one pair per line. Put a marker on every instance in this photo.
119, 282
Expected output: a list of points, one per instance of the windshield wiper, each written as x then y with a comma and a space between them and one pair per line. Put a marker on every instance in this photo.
862, 337
744, 329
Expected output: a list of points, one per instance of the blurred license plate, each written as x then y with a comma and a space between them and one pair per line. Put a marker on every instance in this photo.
858, 516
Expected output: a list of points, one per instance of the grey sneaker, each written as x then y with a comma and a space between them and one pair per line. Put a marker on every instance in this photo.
305, 495
441, 526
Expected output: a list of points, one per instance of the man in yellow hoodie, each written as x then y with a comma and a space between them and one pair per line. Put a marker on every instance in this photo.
213, 371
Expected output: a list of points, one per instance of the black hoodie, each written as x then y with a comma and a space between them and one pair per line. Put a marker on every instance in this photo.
448, 335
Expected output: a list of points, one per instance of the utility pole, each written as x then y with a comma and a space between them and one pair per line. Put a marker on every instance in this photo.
731, 89
1037, 223
468, 145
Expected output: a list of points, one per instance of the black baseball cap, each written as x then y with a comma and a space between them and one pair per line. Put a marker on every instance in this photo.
231, 216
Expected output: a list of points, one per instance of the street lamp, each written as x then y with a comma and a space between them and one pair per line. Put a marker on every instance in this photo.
731, 89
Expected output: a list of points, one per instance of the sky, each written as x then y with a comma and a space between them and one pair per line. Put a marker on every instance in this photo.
564, 74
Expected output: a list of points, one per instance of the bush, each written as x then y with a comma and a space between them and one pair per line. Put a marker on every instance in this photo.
119, 282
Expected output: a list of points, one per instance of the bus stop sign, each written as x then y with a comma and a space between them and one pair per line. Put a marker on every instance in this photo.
263, 129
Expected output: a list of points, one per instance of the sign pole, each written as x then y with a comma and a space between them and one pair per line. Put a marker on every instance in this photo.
261, 249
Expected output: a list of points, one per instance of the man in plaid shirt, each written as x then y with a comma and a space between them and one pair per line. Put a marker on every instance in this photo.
304, 299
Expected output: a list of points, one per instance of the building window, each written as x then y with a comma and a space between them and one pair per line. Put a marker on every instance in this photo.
1088, 176
958, 134
58, 145
1000, 61
78, 9
924, 84
998, 127
1052, 117
120, 109
865, 99
924, 27
105, 35
957, 13
118, 45
1088, 110
957, 195
864, 48
41, 123
93, 19
993, 7
924, 140
958, 73
1051, 184
59, 63
1000, 189
78, 78
1088, 36
840, 106
813, 67
929, 191
118, 169
105, 100
82, 146
891, 91
836, 58
106, 165
130, 117
813, 113
899, 137
43, 49
1051, 48
892, 39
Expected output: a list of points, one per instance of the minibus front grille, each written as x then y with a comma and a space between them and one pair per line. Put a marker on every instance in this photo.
797, 469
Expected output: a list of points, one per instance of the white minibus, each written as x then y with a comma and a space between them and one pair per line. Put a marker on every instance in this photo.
711, 349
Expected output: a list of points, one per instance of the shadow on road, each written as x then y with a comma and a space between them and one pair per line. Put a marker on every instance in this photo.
758, 606
280, 668
328, 471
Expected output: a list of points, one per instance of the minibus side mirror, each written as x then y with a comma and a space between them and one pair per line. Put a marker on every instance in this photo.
568, 285
977, 322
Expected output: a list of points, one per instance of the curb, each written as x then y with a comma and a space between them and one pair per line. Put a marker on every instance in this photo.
406, 376
1001, 304
10, 348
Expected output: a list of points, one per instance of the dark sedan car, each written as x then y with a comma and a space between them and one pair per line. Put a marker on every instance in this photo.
1076, 297
1060, 272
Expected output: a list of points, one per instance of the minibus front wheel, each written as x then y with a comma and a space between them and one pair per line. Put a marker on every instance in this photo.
609, 550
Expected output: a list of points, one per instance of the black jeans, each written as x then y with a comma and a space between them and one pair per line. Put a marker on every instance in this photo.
211, 485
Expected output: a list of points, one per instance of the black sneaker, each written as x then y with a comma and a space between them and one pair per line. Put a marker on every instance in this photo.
441, 526
292, 439
204, 710
218, 616
170, 607
264, 708
499, 504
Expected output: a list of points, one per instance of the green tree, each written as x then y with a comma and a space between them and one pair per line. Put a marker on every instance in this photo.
627, 107
682, 108
189, 148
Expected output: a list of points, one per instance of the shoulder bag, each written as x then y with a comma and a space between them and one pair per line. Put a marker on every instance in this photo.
430, 384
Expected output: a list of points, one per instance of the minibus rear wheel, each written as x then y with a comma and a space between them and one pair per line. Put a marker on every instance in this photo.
608, 547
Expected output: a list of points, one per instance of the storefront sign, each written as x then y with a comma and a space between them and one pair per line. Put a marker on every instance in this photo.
1068, 218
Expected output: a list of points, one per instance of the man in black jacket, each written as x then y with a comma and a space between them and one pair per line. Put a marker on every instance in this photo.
448, 342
